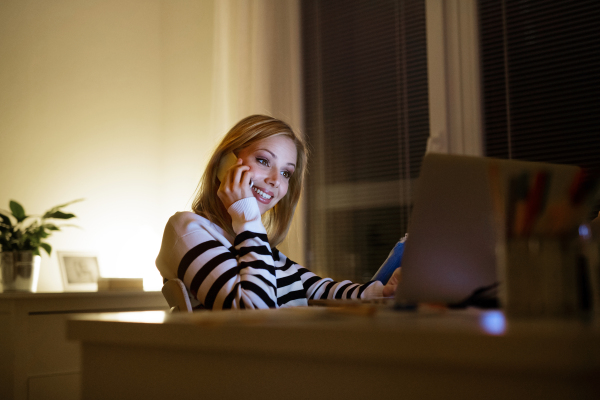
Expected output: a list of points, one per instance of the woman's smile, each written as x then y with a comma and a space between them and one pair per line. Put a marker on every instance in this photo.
264, 196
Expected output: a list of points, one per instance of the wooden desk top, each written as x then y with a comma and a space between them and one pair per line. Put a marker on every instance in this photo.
470, 337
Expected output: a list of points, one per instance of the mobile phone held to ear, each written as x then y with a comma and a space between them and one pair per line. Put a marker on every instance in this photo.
227, 161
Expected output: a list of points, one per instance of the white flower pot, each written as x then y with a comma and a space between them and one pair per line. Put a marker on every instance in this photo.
20, 271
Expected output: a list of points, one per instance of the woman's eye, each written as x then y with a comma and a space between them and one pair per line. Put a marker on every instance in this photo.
263, 161
286, 174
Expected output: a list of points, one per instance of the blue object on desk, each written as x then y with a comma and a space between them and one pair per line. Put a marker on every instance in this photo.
394, 260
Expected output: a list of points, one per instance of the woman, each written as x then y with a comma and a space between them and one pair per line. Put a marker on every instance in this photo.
225, 252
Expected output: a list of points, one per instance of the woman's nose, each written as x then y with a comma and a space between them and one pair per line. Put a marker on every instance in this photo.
273, 179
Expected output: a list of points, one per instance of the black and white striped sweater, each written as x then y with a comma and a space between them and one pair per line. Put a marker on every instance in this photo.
247, 273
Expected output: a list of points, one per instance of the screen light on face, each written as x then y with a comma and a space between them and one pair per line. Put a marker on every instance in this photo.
493, 322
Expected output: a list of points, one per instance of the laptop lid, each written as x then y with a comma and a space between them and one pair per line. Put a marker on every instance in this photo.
451, 246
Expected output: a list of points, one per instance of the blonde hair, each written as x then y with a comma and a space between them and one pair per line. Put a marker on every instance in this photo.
246, 132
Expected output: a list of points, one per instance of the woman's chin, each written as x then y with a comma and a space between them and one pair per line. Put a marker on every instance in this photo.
263, 204
264, 207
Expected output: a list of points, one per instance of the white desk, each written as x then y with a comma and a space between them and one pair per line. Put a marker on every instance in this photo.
36, 361
320, 353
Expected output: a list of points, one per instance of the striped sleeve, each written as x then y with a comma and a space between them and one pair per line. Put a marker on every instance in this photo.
242, 276
219, 280
317, 288
290, 292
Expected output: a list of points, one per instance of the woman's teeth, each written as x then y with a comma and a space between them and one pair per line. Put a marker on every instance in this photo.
262, 194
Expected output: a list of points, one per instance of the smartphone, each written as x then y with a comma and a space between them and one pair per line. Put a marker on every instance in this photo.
227, 161
394, 260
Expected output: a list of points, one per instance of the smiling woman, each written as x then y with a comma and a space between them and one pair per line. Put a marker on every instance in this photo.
269, 164
224, 251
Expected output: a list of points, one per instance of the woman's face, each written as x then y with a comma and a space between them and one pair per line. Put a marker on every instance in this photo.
272, 161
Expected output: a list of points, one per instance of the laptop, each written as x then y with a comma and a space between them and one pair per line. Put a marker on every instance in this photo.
453, 231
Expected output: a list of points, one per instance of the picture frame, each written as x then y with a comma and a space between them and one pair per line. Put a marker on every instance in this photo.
79, 270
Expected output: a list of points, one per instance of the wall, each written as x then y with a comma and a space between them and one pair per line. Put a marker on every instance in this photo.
108, 101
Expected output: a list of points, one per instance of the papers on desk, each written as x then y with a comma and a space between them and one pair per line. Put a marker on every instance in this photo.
120, 284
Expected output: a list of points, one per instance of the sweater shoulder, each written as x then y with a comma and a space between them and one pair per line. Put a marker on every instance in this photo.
183, 231
184, 220
184, 223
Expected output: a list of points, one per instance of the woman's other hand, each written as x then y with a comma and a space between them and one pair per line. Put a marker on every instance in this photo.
236, 184
389, 289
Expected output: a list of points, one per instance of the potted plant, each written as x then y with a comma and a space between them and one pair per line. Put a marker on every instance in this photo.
21, 237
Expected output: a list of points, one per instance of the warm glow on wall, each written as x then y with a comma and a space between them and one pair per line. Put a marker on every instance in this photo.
130, 253
108, 101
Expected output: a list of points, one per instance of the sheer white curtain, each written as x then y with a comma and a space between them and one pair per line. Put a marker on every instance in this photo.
257, 70
257, 62
454, 74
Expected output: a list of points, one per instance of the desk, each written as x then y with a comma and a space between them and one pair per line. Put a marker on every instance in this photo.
321, 353
36, 361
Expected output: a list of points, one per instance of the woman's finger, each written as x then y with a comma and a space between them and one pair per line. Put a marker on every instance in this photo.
237, 173
395, 278
245, 183
389, 290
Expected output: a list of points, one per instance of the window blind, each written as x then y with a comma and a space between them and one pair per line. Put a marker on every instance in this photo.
541, 80
367, 124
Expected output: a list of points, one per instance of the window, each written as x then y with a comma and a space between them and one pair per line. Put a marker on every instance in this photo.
541, 80
367, 124
367, 108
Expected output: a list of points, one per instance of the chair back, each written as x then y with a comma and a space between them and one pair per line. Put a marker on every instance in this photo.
176, 295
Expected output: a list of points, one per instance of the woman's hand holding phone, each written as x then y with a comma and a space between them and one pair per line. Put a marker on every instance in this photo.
235, 182
389, 289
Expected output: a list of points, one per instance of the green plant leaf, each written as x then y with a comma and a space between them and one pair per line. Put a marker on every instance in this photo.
4, 228
70, 226
51, 227
69, 203
55, 209
46, 247
5, 219
17, 210
17, 235
60, 215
